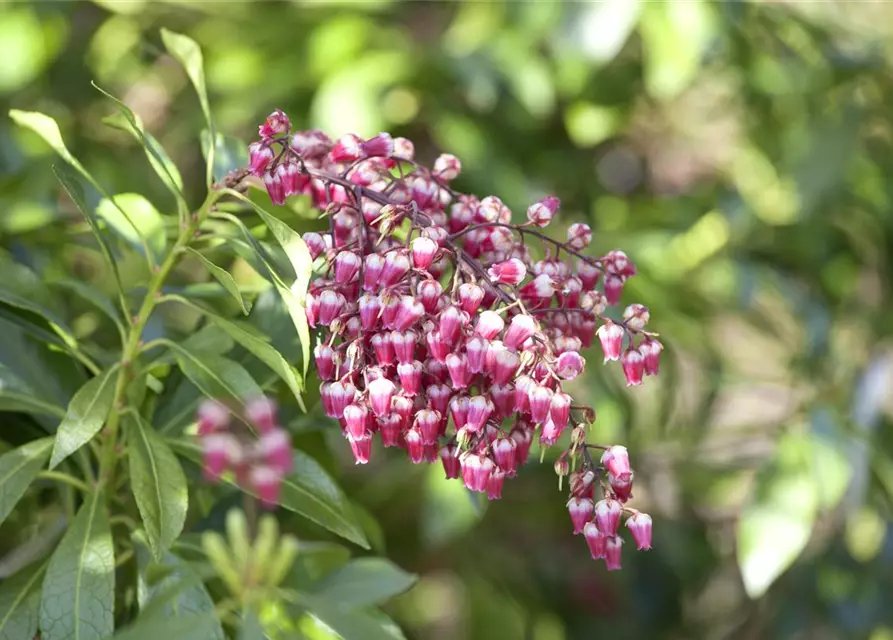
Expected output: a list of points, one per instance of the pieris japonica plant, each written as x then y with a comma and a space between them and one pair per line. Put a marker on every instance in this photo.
437, 323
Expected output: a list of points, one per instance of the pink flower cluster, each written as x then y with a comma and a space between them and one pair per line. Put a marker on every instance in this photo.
444, 335
253, 447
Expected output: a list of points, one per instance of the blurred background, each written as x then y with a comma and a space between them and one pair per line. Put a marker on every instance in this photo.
739, 152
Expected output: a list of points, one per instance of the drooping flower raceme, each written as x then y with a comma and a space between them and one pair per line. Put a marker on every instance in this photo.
442, 335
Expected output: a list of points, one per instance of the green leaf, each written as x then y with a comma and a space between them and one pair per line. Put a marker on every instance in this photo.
230, 154
189, 54
316, 560
75, 191
178, 594
85, 416
18, 468
210, 340
224, 278
364, 582
215, 376
776, 526
308, 491
11, 400
20, 604
250, 628
262, 350
349, 624
158, 158
22, 288
78, 598
197, 627
299, 256
159, 486
136, 220
94, 297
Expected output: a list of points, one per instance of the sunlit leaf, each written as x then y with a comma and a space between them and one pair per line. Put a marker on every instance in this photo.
224, 278
158, 484
216, 376
85, 415
136, 220
347, 623
18, 468
78, 597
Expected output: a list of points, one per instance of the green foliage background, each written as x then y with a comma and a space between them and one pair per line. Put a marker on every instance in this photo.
740, 153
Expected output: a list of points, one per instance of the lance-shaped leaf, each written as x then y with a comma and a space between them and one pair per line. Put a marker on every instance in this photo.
158, 158
364, 582
78, 597
85, 416
189, 54
47, 128
20, 603
262, 350
215, 376
170, 588
308, 491
136, 220
18, 468
224, 278
347, 623
22, 288
159, 485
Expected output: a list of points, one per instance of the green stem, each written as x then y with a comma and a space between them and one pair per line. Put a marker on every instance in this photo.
58, 476
108, 458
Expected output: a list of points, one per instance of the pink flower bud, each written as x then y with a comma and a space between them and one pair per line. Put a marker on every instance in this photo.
361, 447
370, 310
582, 483
261, 412
292, 180
330, 305
347, 149
494, 484
372, 268
259, 158
650, 350
276, 123
355, 419
311, 144
479, 409
403, 149
347, 264
415, 446
409, 312
275, 449
616, 460
404, 344
212, 417
636, 316
570, 365
219, 452
613, 547
596, 541
510, 272
607, 516
439, 397
542, 212
390, 427
342, 394
588, 274
449, 456
423, 250
451, 322
503, 396
521, 327
639, 525
390, 305
437, 346
275, 188
380, 393
402, 406
266, 481
476, 351
560, 409
396, 265
429, 292
505, 366
611, 337
581, 510
489, 324
492, 209
540, 399
539, 290
325, 361
381, 145
470, 297
459, 411
316, 244
476, 470
579, 236
523, 436
523, 385
633, 363
613, 289
427, 422
384, 350
621, 486
410, 374
447, 167
457, 365
504, 454
550, 432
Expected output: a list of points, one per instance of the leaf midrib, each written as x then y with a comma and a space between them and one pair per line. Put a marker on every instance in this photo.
80, 571
154, 467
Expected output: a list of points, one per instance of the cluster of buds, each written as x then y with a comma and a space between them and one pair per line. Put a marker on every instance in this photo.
250, 445
440, 332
